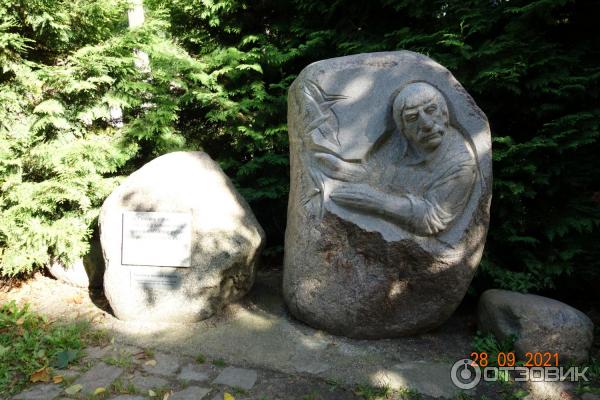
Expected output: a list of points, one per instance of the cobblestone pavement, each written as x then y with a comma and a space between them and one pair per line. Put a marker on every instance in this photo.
251, 350
122, 372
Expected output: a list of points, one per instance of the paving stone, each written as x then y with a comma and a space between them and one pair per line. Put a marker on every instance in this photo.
237, 377
96, 352
190, 393
145, 383
123, 352
219, 396
100, 375
192, 372
131, 350
68, 373
166, 364
304, 363
40, 392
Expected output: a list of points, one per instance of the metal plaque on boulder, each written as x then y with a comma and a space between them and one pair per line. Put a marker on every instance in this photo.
161, 239
155, 279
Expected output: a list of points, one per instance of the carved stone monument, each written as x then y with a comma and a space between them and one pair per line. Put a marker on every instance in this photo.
391, 182
179, 242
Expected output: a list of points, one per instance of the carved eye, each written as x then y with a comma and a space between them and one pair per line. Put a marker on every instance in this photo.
411, 117
431, 109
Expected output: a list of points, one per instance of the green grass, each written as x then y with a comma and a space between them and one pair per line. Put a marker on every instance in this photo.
200, 359
240, 391
219, 362
28, 343
369, 392
149, 353
463, 396
593, 374
120, 387
488, 344
409, 394
509, 392
96, 337
333, 384
161, 392
310, 396
123, 360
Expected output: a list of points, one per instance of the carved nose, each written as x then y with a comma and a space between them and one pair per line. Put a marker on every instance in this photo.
425, 122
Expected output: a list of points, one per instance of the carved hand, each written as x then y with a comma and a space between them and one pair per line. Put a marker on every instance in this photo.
360, 197
336, 168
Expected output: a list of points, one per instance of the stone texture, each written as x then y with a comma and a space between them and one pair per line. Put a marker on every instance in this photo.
590, 396
220, 395
226, 241
85, 272
389, 198
541, 390
192, 372
69, 373
237, 378
190, 393
166, 364
145, 383
428, 378
45, 391
100, 375
95, 352
539, 323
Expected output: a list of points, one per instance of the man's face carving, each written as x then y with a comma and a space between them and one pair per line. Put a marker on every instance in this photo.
423, 116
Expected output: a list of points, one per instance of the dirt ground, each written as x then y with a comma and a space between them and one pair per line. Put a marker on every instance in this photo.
290, 359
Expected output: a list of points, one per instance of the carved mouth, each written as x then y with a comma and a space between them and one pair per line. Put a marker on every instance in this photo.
431, 136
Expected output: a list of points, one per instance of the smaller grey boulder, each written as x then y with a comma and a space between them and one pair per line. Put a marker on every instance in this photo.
86, 272
179, 241
540, 324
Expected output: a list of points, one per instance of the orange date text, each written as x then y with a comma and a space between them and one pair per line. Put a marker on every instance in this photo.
509, 359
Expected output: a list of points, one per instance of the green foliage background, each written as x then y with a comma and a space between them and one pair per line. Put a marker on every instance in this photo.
219, 79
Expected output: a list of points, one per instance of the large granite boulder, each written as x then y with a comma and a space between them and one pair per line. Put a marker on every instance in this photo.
179, 242
539, 324
391, 180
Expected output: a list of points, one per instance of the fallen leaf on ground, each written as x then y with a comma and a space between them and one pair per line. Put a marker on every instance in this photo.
99, 390
21, 321
151, 363
166, 396
71, 390
57, 379
41, 375
151, 393
227, 396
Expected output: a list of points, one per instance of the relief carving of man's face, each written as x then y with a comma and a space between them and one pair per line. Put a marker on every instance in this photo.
421, 111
